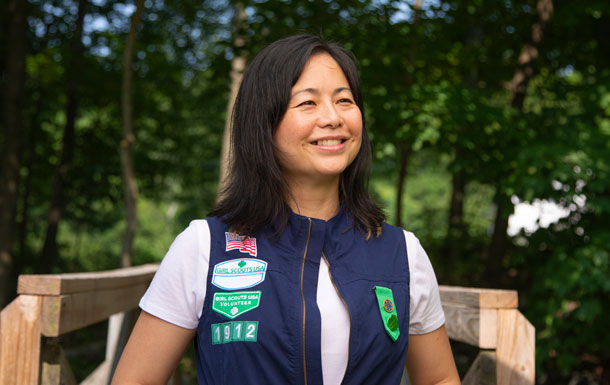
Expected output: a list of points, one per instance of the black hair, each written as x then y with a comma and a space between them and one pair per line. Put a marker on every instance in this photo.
255, 192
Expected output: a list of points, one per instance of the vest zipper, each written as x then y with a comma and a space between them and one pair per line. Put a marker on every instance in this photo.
348, 314
303, 298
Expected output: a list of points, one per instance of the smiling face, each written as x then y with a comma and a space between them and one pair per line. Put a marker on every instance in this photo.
321, 131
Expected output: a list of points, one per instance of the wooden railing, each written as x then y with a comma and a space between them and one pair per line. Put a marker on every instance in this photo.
489, 319
49, 306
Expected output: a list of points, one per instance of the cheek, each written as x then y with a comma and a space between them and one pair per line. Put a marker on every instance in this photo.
354, 120
283, 139
356, 128
356, 125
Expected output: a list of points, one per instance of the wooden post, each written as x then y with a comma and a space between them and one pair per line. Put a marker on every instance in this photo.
483, 369
516, 349
489, 319
20, 341
55, 368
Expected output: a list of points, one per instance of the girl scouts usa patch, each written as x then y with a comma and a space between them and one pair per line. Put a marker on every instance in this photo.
237, 274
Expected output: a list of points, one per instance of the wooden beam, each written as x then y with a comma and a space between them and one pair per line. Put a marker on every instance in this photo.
480, 298
64, 313
483, 369
99, 376
59, 284
474, 326
20, 341
55, 368
516, 350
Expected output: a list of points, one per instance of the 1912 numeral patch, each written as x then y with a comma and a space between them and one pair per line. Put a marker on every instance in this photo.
234, 331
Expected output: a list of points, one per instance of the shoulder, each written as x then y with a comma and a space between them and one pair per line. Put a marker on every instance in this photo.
425, 307
176, 294
413, 246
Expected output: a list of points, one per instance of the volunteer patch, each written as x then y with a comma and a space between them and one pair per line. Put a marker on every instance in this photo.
242, 243
236, 303
239, 274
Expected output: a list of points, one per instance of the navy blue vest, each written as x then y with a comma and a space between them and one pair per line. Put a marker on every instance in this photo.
269, 333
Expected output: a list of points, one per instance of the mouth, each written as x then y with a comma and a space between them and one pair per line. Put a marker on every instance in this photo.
328, 142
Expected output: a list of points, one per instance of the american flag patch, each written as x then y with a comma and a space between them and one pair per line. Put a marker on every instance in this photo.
242, 243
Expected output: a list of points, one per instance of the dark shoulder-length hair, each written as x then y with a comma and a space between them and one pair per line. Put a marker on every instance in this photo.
255, 193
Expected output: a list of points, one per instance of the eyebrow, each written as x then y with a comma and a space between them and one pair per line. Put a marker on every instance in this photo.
315, 91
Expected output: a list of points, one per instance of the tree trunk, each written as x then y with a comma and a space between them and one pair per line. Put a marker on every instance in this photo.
29, 161
130, 186
453, 246
456, 230
404, 147
529, 53
405, 155
499, 240
49, 255
11, 152
518, 86
238, 65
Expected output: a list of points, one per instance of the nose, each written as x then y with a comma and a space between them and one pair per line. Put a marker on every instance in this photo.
329, 116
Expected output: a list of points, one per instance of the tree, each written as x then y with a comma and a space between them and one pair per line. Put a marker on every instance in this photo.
238, 66
129, 180
49, 254
13, 105
518, 86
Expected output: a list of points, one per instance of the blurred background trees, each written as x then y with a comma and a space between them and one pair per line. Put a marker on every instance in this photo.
474, 108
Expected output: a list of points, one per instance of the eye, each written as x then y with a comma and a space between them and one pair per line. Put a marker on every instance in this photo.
307, 103
345, 101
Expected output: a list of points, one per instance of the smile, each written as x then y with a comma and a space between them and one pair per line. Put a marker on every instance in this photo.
328, 142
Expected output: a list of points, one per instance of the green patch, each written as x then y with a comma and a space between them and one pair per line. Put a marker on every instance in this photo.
387, 310
251, 329
216, 334
234, 331
236, 303
237, 331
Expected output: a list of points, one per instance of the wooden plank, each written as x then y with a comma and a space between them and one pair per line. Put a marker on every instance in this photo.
100, 376
516, 349
58, 284
122, 324
483, 298
20, 341
483, 370
477, 327
55, 368
62, 314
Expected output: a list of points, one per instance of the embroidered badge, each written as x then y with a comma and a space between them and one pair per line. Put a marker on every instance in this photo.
240, 242
236, 303
393, 322
234, 331
387, 310
388, 305
239, 274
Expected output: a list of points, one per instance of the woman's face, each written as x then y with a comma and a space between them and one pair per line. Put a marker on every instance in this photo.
321, 131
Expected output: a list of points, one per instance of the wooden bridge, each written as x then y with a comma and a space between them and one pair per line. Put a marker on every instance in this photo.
49, 306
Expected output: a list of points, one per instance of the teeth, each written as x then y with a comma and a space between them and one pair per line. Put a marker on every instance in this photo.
329, 142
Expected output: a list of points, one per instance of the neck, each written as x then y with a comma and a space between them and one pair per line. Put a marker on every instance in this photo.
314, 200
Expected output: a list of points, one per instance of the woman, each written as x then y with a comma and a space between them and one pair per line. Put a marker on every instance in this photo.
294, 278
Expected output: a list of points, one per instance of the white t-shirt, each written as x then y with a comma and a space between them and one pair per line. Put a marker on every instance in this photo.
176, 295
